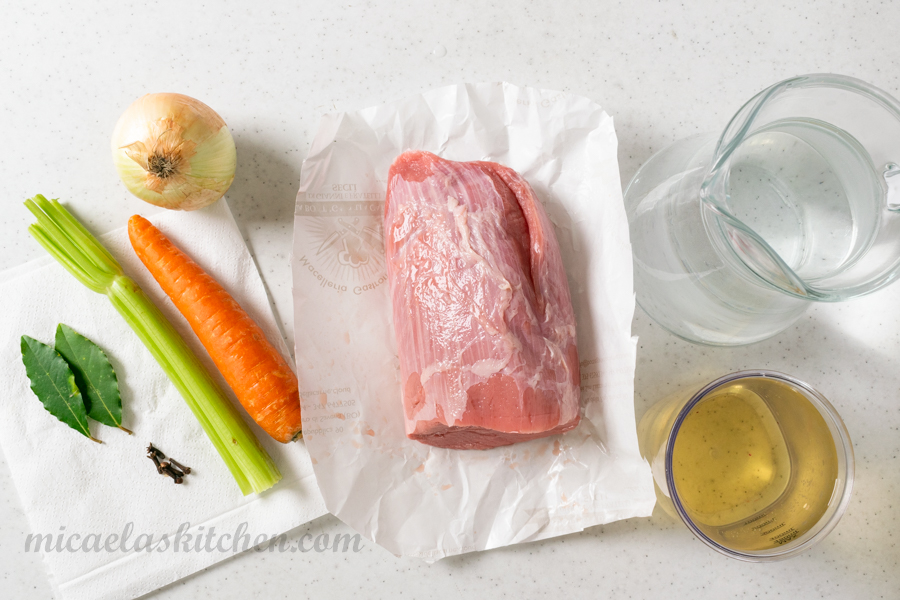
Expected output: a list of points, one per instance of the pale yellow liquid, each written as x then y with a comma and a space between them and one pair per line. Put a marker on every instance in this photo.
754, 463
730, 460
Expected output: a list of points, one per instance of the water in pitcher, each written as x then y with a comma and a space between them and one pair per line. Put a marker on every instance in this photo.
806, 188
796, 201
809, 190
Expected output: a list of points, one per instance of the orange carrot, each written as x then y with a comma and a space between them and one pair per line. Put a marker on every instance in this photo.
256, 372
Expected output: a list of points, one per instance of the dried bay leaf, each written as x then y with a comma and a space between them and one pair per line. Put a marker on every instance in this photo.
94, 376
54, 384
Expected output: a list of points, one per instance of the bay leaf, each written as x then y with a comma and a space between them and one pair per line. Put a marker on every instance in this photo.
54, 384
94, 376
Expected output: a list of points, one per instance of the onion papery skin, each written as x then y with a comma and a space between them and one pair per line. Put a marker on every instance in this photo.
174, 151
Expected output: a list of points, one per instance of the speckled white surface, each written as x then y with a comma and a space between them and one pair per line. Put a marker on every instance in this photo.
662, 69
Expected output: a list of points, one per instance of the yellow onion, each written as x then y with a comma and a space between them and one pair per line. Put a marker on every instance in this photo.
174, 151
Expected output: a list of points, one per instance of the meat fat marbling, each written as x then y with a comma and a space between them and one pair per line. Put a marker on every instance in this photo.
482, 313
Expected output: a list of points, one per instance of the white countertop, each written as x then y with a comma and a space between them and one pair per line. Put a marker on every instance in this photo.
663, 70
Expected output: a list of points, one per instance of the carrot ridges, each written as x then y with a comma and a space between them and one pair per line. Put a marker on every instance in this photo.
256, 372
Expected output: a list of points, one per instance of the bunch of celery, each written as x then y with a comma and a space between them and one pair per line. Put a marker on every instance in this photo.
85, 258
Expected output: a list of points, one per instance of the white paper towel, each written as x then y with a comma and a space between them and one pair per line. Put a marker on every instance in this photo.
71, 486
429, 502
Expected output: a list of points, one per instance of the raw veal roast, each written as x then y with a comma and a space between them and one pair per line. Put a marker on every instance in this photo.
482, 314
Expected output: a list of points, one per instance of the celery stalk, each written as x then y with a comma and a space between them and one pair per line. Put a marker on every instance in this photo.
85, 258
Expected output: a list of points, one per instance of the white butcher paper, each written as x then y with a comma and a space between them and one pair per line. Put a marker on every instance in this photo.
414, 499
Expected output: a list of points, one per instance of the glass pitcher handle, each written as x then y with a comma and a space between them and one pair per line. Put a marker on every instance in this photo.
891, 175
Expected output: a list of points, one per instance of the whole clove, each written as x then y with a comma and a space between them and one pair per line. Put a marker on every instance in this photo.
167, 466
176, 475
155, 460
185, 470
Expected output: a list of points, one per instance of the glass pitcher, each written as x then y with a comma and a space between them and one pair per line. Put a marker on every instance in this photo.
798, 200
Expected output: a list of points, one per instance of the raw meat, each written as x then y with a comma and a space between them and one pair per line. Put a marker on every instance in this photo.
482, 313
